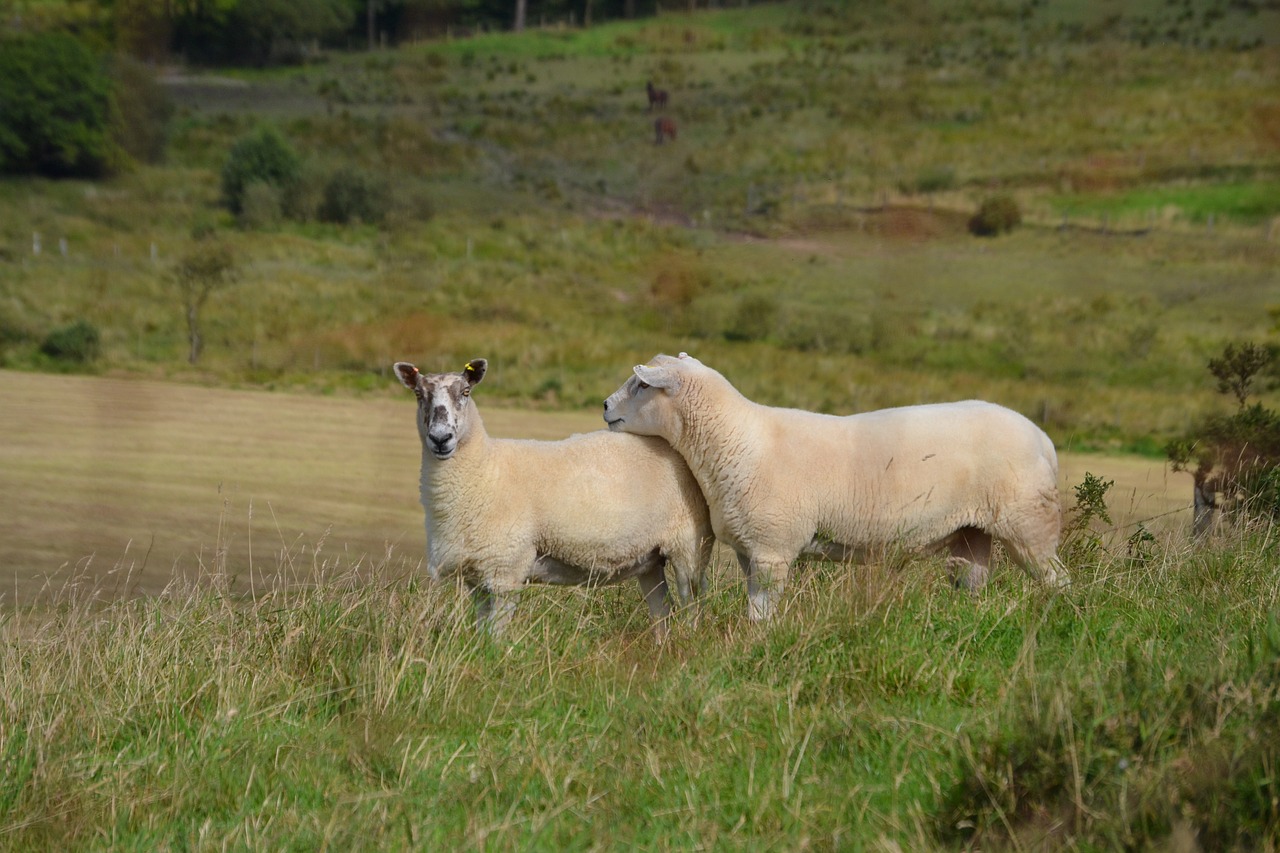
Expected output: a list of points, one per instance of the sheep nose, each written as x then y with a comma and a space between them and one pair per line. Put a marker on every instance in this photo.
441, 440
606, 405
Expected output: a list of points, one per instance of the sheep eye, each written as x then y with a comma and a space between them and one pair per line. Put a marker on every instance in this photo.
466, 392
642, 384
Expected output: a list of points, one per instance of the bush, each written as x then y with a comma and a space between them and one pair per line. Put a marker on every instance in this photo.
260, 207
55, 109
262, 157
996, 215
78, 343
355, 196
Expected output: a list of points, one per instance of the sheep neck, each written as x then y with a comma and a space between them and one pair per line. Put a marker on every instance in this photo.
714, 433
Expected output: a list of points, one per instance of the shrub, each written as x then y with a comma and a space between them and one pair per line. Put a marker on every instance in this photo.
55, 109
261, 157
260, 207
352, 195
996, 215
78, 342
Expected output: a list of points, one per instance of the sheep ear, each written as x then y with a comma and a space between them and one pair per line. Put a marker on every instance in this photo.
408, 374
658, 377
474, 370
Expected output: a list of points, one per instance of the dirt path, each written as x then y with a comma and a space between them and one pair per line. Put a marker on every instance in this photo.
127, 483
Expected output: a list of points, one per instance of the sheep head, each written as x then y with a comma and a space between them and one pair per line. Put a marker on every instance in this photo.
646, 404
445, 409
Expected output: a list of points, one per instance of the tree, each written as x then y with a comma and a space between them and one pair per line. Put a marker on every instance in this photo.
1234, 460
1236, 369
55, 109
276, 29
521, 9
207, 266
263, 156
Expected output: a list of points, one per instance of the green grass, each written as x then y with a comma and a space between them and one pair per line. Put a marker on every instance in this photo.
1252, 202
881, 707
287, 682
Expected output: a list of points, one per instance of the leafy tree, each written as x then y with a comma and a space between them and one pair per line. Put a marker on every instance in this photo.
1234, 460
263, 156
1237, 368
55, 109
280, 29
207, 266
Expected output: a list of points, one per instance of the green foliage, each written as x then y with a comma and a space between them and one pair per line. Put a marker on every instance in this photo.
55, 109
1236, 456
879, 709
996, 215
353, 195
207, 265
280, 30
143, 110
1080, 540
78, 343
1138, 748
263, 156
1236, 369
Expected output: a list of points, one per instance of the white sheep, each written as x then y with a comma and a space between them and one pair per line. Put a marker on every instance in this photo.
592, 509
781, 482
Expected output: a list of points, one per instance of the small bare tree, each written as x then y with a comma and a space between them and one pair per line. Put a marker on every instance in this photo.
207, 266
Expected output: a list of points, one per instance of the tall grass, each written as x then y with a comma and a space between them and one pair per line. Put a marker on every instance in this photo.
361, 709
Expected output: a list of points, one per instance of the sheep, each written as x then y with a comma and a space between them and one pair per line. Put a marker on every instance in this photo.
781, 482
591, 509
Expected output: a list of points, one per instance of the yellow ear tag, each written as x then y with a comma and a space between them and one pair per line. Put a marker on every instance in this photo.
467, 367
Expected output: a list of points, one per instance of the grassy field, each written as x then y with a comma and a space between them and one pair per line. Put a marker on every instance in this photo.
806, 232
290, 681
123, 487
214, 631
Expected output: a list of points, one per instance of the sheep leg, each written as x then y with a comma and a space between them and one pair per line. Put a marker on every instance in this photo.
653, 586
493, 609
970, 558
766, 579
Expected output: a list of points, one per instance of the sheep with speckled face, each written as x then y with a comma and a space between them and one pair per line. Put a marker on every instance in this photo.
781, 482
592, 509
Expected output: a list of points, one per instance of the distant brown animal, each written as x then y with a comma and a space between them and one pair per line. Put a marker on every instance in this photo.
657, 97
663, 127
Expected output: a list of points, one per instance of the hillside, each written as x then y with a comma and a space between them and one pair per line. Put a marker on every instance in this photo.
805, 233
